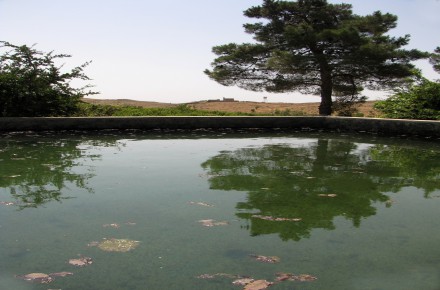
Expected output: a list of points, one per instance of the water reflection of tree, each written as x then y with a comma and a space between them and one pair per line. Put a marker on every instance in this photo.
36, 170
418, 167
295, 182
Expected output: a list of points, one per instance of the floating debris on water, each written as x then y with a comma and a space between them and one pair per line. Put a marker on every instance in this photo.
213, 223
81, 262
389, 202
200, 203
266, 259
41, 278
328, 195
277, 219
304, 278
114, 225
243, 281
118, 245
61, 274
250, 283
93, 244
212, 276
258, 285
292, 277
283, 276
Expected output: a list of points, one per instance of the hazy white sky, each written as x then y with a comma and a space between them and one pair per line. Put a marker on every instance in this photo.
157, 50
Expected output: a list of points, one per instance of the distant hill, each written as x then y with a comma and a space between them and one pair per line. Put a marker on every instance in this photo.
237, 106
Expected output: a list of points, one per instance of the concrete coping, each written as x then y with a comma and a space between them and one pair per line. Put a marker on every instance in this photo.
421, 128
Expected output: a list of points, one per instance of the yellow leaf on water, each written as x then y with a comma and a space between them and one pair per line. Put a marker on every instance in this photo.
258, 285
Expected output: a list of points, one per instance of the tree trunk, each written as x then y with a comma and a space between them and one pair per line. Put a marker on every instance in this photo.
325, 108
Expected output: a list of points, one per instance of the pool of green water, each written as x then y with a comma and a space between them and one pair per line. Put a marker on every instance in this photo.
351, 211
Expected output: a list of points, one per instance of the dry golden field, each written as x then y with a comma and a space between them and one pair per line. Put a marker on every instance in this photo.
237, 106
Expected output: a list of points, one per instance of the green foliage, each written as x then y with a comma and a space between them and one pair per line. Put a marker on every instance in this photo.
420, 101
315, 47
435, 59
31, 84
288, 112
90, 110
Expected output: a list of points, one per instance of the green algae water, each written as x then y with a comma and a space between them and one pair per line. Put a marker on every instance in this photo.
208, 208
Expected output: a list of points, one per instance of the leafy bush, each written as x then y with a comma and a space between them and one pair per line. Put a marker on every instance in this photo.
420, 101
90, 110
288, 112
348, 105
32, 85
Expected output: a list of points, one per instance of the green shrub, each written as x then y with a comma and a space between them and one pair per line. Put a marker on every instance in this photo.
32, 85
287, 112
418, 102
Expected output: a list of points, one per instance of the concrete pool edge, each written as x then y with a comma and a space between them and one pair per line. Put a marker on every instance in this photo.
422, 128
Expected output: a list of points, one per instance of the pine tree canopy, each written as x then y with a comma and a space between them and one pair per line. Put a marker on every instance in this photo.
315, 47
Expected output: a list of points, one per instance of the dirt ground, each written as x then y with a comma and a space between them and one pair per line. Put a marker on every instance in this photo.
309, 109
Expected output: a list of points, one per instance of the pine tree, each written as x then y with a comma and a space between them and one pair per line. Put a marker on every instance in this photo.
315, 47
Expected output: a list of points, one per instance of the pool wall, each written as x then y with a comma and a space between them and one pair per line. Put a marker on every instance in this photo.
344, 124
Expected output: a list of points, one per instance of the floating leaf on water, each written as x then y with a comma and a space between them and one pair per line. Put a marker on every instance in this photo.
304, 278
212, 276
36, 277
276, 219
213, 223
283, 276
115, 226
266, 259
206, 276
200, 203
81, 262
118, 245
243, 281
60, 274
258, 285
293, 277
328, 195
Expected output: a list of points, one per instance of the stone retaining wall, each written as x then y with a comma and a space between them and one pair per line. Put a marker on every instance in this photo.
343, 124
